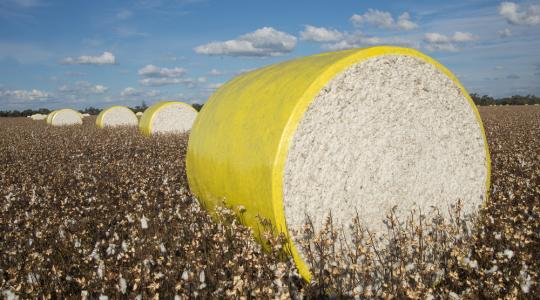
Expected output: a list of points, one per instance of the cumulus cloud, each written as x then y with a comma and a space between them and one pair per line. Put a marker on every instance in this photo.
440, 42
215, 72
358, 39
505, 33
131, 92
190, 82
157, 76
262, 42
442, 47
320, 34
24, 95
458, 36
383, 19
510, 12
157, 72
83, 88
107, 58
405, 23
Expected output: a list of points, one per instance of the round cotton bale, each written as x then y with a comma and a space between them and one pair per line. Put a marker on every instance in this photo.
116, 116
49, 117
139, 114
167, 117
85, 115
65, 117
354, 131
36, 117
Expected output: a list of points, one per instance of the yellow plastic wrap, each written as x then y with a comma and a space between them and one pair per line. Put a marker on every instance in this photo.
50, 116
147, 119
239, 142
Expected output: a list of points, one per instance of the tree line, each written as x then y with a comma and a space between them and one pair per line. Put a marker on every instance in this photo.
513, 100
483, 100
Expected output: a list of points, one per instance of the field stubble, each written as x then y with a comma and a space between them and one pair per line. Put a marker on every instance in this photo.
89, 212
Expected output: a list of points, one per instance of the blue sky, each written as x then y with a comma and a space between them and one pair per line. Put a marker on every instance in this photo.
78, 54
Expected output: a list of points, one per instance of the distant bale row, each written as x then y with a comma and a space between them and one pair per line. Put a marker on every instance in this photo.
162, 117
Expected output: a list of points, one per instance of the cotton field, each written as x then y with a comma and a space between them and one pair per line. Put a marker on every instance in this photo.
107, 213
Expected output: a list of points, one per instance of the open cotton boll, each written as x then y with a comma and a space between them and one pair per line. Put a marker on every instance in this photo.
66, 117
360, 130
167, 117
116, 116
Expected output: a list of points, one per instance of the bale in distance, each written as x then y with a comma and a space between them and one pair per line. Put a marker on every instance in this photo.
116, 116
167, 117
37, 117
359, 130
85, 115
65, 117
139, 114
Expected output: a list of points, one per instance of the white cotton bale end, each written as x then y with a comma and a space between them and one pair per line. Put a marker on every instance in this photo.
139, 114
360, 130
85, 115
37, 117
116, 116
167, 117
65, 117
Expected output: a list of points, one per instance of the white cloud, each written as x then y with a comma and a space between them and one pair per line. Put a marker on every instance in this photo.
374, 17
83, 88
442, 47
383, 19
405, 23
215, 72
510, 12
129, 91
190, 82
462, 37
156, 72
98, 89
107, 58
262, 42
357, 39
440, 42
24, 95
505, 33
320, 34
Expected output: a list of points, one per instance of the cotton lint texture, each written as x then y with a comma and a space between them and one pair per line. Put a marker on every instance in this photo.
66, 117
390, 130
119, 116
173, 118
